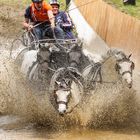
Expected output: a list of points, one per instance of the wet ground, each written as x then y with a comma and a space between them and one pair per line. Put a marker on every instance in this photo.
69, 135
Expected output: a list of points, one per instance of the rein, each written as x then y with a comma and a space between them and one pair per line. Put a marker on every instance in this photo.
62, 102
108, 82
125, 72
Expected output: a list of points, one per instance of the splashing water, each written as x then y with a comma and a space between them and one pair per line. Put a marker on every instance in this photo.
109, 104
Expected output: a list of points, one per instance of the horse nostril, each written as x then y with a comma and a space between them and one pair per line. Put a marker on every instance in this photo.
130, 85
61, 114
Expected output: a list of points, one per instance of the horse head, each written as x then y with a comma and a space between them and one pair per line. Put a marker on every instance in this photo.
75, 53
43, 58
62, 91
124, 66
62, 95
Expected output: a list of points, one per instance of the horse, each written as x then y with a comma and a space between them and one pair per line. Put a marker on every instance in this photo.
65, 78
65, 85
36, 66
123, 66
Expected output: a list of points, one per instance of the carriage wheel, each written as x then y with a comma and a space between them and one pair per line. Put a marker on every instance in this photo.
20, 55
16, 46
28, 38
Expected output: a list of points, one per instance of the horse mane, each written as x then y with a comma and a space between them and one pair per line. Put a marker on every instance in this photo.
76, 76
54, 79
118, 54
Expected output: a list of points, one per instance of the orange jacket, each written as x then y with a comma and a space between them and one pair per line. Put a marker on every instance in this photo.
41, 15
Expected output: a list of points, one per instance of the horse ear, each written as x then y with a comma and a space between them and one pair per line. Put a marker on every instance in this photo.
68, 81
132, 66
109, 52
129, 56
40, 46
46, 45
80, 43
57, 82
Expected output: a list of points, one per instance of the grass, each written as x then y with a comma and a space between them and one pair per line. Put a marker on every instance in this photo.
24, 3
129, 9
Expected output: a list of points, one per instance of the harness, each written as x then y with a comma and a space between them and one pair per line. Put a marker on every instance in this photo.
130, 72
125, 72
63, 102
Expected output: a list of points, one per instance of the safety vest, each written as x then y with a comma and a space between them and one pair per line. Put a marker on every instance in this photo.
41, 15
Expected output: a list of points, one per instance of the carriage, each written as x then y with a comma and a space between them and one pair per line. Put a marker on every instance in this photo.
58, 53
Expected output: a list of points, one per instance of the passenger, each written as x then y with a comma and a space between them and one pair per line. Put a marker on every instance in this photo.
40, 19
62, 20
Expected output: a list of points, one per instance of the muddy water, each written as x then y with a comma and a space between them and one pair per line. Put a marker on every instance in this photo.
70, 135
110, 113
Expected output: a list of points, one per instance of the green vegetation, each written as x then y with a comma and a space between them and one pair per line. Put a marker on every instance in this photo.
24, 3
129, 9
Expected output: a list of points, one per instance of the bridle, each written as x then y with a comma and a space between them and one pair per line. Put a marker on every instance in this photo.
130, 72
63, 102
125, 72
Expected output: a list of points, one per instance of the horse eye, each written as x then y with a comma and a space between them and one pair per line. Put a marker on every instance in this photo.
68, 97
55, 95
117, 67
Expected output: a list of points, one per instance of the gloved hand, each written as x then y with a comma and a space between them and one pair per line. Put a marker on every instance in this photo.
52, 26
30, 27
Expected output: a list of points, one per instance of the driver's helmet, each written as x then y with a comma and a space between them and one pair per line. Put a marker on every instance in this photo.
36, 1
54, 2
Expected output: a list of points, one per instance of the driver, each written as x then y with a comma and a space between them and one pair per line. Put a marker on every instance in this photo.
40, 19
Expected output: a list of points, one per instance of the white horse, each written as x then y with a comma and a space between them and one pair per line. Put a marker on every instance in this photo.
65, 90
29, 58
65, 87
35, 62
124, 66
